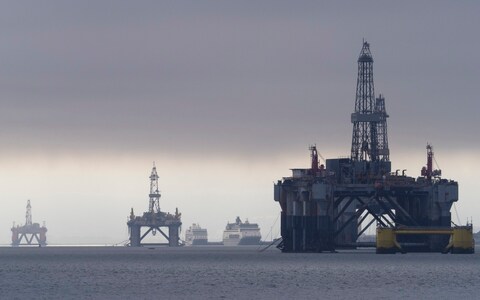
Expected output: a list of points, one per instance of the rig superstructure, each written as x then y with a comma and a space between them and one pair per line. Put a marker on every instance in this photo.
329, 206
154, 219
30, 233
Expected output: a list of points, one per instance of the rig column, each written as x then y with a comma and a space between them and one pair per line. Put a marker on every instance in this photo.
297, 225
173, 235
134, 235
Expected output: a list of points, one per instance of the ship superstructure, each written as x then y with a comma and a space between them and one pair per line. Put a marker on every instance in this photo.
196, 235
241, 233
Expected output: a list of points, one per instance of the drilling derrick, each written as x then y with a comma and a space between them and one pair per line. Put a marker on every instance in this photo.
369, 152
28, 215
364, 119
154, 204
324, 208
30, 233
154, 220
382, 137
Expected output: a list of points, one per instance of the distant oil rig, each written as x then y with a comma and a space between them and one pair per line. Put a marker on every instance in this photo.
327, 207
30, 233
154, 220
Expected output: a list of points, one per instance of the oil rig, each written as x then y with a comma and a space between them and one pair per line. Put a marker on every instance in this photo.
327, 207
154, 219
30, 233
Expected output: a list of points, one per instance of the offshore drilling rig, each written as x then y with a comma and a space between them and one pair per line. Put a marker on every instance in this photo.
327, 207
25, 235
154, 219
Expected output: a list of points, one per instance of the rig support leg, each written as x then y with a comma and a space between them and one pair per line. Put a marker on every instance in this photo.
135, 238
173, 235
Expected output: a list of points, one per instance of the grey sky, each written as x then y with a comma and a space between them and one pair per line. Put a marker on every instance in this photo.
219, 80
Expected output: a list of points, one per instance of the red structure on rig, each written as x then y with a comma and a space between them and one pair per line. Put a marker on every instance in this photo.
428, 171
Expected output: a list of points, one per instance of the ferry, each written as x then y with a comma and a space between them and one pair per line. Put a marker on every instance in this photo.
196, 235
240, 233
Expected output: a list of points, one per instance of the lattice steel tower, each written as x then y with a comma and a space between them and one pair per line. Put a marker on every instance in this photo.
369, 138
383, 151
28, 214
154, 204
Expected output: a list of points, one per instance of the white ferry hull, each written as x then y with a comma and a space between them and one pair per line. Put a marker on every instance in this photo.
242, 241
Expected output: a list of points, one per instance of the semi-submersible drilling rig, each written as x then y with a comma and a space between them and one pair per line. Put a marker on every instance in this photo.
154, 220
30, 233
326, 207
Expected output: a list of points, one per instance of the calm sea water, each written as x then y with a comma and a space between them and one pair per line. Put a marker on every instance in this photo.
232, 273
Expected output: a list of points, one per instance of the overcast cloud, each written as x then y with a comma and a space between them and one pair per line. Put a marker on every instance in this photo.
217, 80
